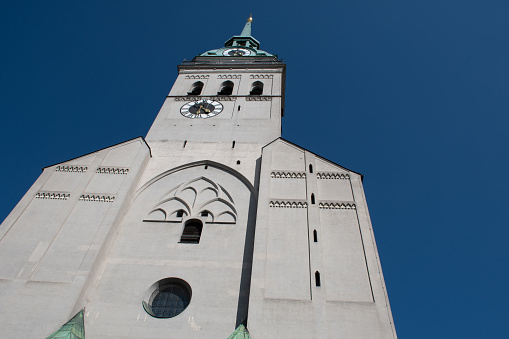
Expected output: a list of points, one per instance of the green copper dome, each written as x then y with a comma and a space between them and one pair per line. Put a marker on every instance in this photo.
244, 44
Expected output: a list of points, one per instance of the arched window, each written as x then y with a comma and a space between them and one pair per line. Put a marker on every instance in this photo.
315, 236
180, 213
226, 88
310, 168
312, 198
317, 279
196, 88
256, 88
192, 232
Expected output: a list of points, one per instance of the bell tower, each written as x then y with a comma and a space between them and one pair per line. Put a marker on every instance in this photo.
226, 95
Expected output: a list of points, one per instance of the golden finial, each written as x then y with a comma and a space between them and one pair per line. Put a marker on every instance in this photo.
250, 18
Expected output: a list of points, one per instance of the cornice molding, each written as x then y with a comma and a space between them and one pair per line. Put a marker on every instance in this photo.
287, 175
52, 195
332, 175
76, 169
223, 98
98, 198
197, 76
288, 204
258, 98
229, 76
112, 170
261, 76
330, 205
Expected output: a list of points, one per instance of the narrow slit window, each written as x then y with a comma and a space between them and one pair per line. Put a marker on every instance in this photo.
312, 198
310, 168
185, 143
317, 279
226, 88
196, 88
233, 144
192, 232
256, 88
238, 109
315, 236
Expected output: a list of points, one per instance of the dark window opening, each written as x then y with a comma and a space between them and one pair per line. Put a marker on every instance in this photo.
317, 279
196, 88
312, 198
185, 143
192, 232
205, 214
206, 166
226, 88
242, 43
180, 213
310, 168
233, 144
315, 236
256, 88
238, 162
238, 109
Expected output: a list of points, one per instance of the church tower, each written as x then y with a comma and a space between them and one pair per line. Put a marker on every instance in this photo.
212, 226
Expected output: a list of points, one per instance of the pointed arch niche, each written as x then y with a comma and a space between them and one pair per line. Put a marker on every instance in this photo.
200, 198
189, 191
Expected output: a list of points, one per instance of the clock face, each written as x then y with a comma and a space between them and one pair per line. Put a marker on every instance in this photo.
237, 52
201, 109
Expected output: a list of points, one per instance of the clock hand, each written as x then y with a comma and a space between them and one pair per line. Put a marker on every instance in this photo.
206, 110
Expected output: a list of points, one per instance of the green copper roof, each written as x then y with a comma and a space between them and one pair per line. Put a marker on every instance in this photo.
244, 41
247, 28
240, 333
73, 329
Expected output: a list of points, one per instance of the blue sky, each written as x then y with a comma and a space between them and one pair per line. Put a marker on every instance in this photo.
413, 94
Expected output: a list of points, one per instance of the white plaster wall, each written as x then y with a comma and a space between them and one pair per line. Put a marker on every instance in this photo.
51, 247
285, 300
145, 252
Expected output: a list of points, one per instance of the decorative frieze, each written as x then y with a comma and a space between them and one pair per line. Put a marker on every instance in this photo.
288, 204
52, 195
288, 175
78, 169
261, 76
197, 76
216, 98
230, 98
331, 175
258, 98
112, 170
337, 206
187, 98
100, 198
229, 76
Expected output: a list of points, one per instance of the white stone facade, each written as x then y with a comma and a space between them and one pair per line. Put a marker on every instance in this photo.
98, 231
